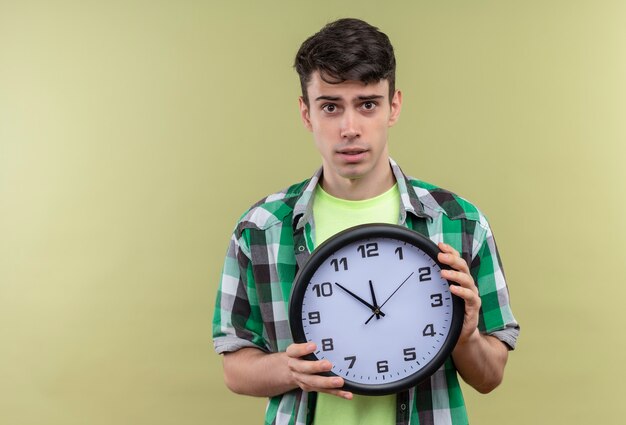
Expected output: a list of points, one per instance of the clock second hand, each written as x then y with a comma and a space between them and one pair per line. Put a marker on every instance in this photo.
371, 307
389, 297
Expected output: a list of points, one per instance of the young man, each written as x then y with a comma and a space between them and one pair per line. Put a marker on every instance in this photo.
349, 101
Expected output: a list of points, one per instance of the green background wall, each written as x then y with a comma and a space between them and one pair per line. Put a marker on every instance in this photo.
133, 134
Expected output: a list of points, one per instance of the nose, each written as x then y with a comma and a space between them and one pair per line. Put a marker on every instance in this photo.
349, 125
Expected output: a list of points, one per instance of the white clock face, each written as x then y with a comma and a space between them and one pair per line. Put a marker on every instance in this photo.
378, 310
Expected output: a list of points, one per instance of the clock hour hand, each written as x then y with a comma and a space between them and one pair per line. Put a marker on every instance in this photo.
376, 309
389, 297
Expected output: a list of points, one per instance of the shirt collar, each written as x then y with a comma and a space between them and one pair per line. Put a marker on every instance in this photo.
408, 198
303, 209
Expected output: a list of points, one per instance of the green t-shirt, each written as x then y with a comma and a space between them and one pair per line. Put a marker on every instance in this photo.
332, 215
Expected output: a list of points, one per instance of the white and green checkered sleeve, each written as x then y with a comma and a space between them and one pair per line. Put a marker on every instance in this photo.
237, 319
496, 317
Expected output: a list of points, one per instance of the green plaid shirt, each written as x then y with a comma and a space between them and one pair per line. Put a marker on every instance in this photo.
275, 237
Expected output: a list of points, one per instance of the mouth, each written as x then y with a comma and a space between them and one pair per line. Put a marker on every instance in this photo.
352, 154
351, 151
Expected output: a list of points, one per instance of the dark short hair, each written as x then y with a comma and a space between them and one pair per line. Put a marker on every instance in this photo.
347, 49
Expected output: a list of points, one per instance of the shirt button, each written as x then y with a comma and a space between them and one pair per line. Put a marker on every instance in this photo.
301, 248
403, 407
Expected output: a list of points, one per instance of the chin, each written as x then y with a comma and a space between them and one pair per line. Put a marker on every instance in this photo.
352, 174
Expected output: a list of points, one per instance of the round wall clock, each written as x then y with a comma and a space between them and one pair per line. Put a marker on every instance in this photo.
373, 301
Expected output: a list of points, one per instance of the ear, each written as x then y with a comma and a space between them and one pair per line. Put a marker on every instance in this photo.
304, 114
396, 107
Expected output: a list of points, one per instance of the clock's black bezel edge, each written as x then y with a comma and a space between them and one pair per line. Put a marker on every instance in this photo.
351, 235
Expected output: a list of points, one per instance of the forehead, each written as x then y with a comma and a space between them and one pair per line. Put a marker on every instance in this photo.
349, 89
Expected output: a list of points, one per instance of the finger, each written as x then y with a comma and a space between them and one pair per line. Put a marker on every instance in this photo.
309, 367
299, 350
315, 383
334, 391
462, 278
305, 372
448, 249
319, 383
454, 261
471, 298
332, 386
340, 393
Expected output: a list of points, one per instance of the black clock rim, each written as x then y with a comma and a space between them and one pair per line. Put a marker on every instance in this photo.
361, 232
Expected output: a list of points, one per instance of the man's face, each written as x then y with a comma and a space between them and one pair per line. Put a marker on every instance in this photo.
350, 122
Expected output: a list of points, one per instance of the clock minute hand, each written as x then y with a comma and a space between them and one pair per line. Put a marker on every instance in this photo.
371, 307
389, 297
377, 311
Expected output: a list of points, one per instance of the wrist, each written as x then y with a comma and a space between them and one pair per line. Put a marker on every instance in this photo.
285, 376
468, 340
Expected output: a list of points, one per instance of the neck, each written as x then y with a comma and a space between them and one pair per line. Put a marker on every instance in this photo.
358, 189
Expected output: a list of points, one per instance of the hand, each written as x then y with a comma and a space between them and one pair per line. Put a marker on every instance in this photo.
389, 297
480, 359
304, 372
466, 289
374, 307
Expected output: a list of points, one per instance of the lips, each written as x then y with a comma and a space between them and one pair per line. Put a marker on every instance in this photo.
352, 151
352, 154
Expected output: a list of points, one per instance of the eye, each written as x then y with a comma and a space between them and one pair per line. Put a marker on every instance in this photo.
369, 105
329, 108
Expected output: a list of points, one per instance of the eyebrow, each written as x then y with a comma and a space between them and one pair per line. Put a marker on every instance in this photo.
337, 98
